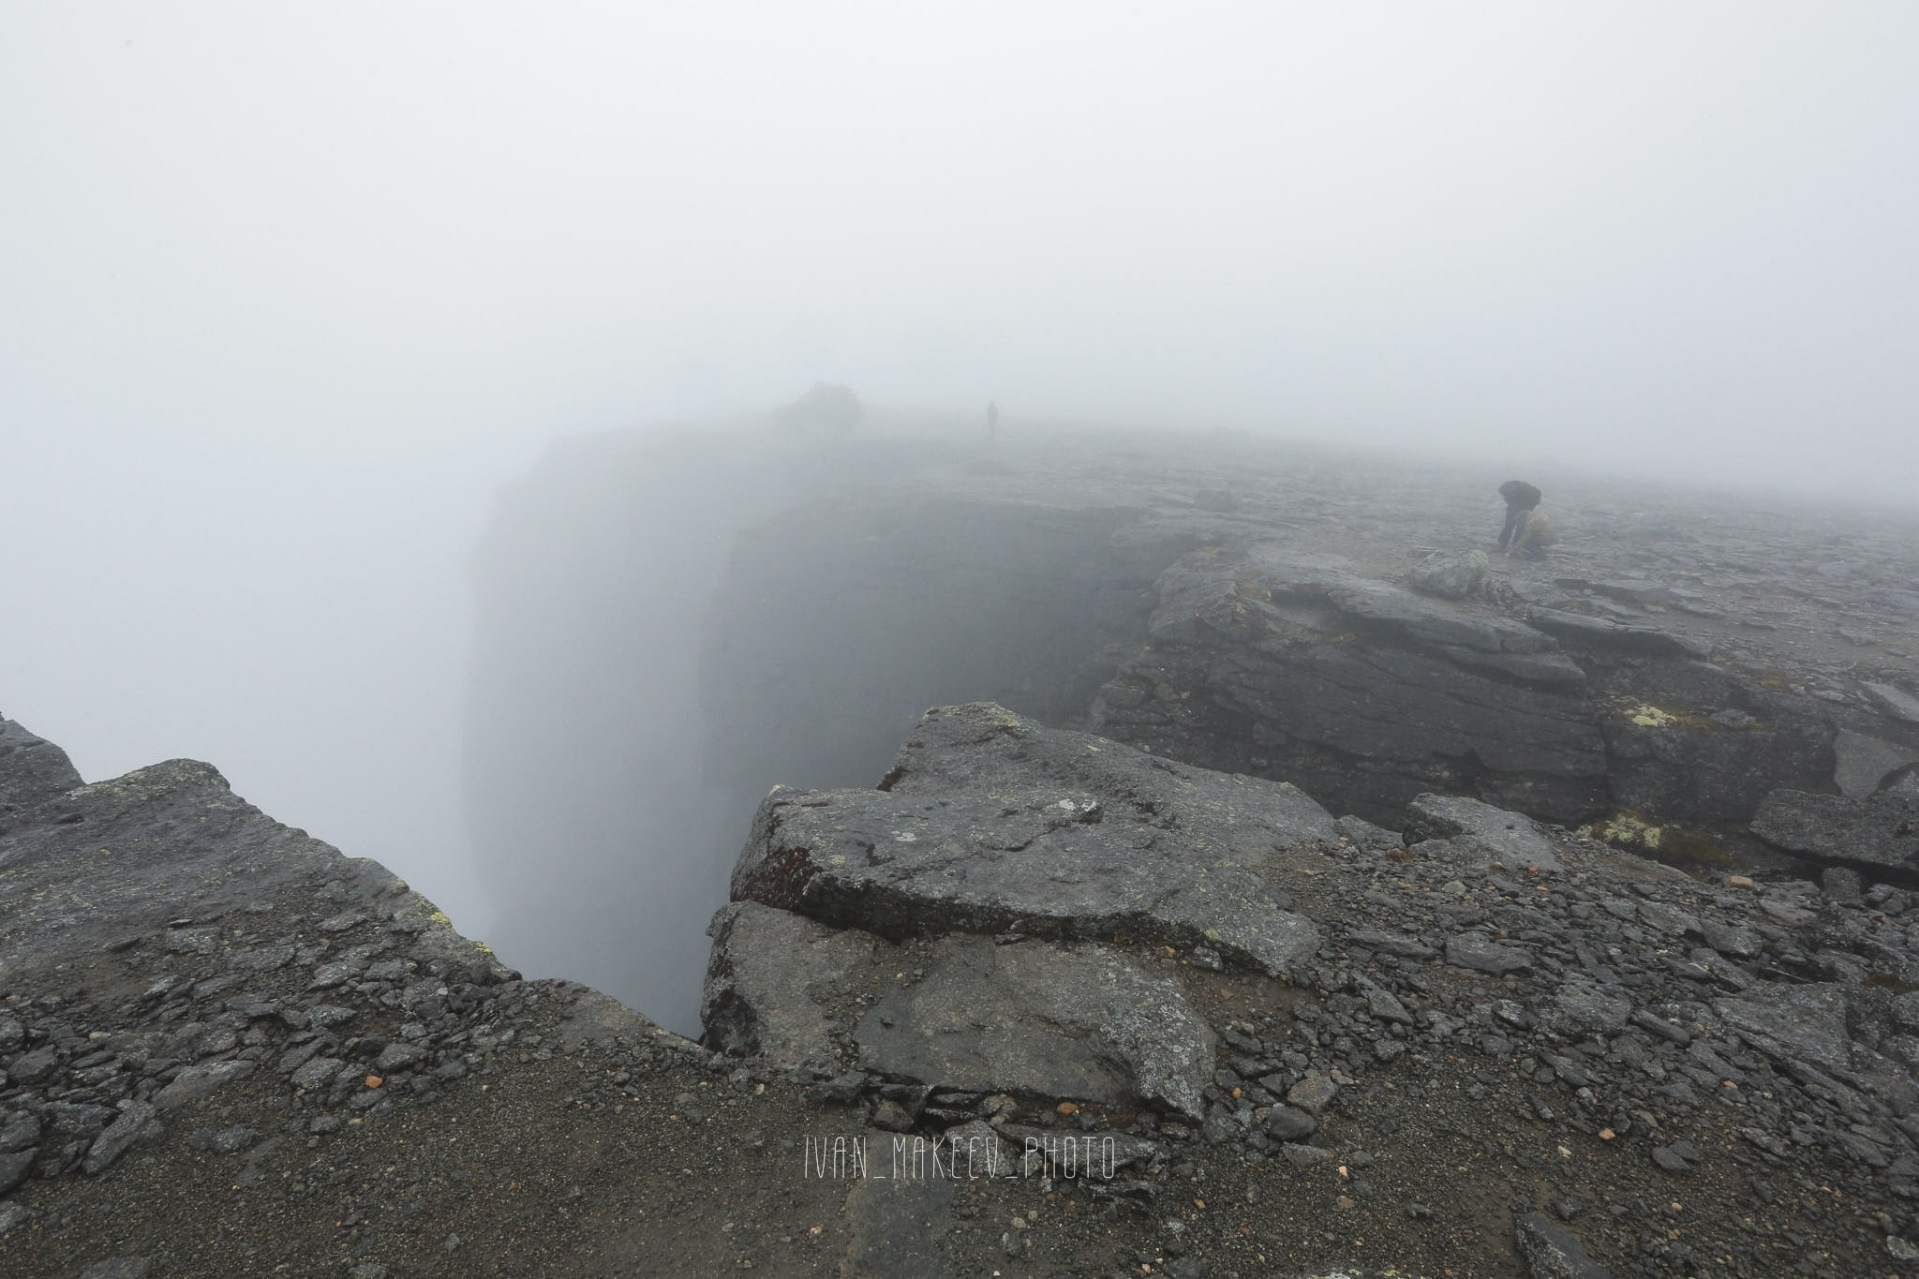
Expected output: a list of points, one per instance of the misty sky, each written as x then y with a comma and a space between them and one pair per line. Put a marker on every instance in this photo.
286, 291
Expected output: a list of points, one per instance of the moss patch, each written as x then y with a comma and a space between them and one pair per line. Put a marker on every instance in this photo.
1683, 847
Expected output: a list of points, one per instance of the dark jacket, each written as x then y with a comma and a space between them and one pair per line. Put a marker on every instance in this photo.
1519, 495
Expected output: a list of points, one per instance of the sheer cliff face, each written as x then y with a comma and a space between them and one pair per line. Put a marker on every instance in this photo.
670, 626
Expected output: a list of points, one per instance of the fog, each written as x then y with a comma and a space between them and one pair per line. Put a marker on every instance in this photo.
289, 297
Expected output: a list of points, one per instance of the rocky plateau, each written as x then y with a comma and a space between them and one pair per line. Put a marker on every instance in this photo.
1276, 888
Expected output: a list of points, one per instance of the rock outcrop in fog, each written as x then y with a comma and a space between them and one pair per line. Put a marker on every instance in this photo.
671, 626
1041, 1000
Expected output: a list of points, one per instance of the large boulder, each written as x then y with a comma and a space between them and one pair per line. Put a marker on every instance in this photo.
1878, 832
988, 823
1452, 577
1485, 833
1363, 692
1051, 1019
32, 769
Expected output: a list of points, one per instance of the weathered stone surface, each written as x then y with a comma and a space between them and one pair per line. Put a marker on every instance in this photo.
1796, 1023
1452, 577
1581, 1008
1512, 839
1481, 953
1896, 701
1861, 763
1392, 944
1363, 692
1596, 632
1732, 940
779, 985
1551, 1251
989, 823
195, 1083
32, 769
1079, 1021
134, 853
14, 1167
1878, 831
117, 1136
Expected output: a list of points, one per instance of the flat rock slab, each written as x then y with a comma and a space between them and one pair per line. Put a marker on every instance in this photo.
1793, 1023
1596, 632
1058, 1020
1482, 954
1051, 1019
1895, 701
1861, 763
1512, 839
989, 823
1875, 831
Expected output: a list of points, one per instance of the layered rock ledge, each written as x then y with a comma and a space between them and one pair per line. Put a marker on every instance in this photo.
1487, 1045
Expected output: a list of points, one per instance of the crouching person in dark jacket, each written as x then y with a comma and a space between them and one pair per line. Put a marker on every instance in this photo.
1521, 498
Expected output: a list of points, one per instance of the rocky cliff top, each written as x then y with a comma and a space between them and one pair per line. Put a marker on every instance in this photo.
1069, 1006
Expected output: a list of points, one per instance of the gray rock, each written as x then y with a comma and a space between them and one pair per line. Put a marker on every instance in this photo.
398, 1056
36, 1066
1391, 944
1880, 830
1842, 884
1364, 834
1452, 577
1313, 1093
779, 985
1792, 1023
117, 1136
1481, 953
1581, 1008
1512, 839
1288, 1123
195, 1083
989, 823
1861, 763
11, 1215
1597, 633
1552, 1252
1060, 1020
1732, 940
1384, 1005
32, 769
1895, 701
1305, 1156
14, 1167
172, 842
19, 1132
341, 922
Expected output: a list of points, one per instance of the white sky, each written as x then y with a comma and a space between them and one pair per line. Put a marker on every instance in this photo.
285, 289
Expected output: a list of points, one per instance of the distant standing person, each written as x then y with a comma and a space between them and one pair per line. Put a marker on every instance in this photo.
992, 419
1521, 498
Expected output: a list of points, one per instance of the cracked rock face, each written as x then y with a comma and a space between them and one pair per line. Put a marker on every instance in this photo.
989, 823
1057, 1020
1051, 1019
